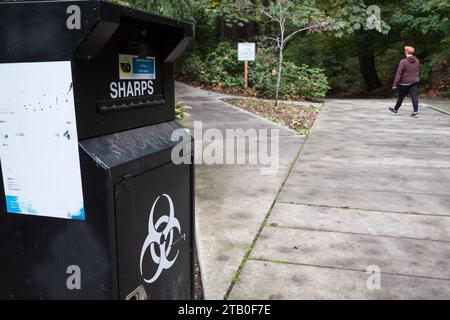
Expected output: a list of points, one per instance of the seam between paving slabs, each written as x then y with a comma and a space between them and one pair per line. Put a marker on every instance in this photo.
364, 209
374, 190
279, 226
342, 268
439, 110
249, 250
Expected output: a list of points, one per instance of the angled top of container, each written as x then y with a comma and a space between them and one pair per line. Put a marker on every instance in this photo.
101, 42
41, 30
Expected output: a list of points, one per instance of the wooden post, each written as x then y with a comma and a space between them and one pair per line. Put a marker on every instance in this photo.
246, 75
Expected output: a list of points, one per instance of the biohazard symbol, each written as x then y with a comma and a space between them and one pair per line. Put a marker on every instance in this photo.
162, 239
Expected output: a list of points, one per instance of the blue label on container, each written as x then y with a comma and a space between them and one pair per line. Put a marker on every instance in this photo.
144, 66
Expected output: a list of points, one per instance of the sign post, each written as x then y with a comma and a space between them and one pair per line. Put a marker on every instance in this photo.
246, 53
246, 75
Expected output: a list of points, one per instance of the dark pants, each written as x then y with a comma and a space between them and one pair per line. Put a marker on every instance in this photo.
413, 90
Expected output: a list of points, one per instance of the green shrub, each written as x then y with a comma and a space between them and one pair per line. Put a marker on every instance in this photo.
221, 69
263, 73
223, 66
439, 58
304, 81
386, 64
297, 82
345, 76
179, 110
192, 68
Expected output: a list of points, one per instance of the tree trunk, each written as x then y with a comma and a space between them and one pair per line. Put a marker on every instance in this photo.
280, 70
368, 70
365, 42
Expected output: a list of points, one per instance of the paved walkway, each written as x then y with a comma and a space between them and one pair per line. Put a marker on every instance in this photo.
366, 189
439, 105
231, 201
369, 189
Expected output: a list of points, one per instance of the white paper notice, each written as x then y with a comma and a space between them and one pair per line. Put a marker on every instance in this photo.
246, 51
39, 144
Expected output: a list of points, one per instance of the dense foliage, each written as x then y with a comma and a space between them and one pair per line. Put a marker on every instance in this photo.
221, 70
355, 59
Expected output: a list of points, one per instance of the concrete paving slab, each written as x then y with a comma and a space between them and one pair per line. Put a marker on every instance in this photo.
349, 175
237, 124
375, 189
275, 281
231, 200
420, 258
230, 206
361, 222
387, 155
216, 114
443, 105
220, 266
367, 200
357, 156
288, 146
379, 139
217, 186
386, 160
239, 148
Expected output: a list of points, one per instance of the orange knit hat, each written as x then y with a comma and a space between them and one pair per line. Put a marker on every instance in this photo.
410, 50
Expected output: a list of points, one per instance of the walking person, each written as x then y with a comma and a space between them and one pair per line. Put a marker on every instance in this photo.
407, 81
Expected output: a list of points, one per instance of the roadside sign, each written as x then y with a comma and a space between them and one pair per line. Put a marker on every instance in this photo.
246, 51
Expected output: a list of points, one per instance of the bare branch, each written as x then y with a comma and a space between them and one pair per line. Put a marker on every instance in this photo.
294, 33
269, 38
275, 40
317, 26
267, 14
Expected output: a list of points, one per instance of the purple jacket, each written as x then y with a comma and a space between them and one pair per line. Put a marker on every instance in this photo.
408, 71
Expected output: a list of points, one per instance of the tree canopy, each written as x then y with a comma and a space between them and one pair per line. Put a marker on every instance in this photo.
356, 49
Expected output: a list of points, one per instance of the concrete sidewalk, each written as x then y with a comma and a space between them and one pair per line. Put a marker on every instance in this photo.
231, 200
439, 105
369, 189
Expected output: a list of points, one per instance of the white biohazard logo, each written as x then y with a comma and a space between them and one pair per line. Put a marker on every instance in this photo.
162, 239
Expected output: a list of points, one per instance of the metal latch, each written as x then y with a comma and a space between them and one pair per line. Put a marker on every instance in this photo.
137, 294
127, 180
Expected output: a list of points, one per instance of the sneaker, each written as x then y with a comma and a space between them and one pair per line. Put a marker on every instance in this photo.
393, 110
415, 114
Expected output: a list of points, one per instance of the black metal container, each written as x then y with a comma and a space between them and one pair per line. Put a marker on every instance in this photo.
136, 238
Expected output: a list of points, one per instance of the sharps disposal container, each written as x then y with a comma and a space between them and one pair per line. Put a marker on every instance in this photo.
92, 205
